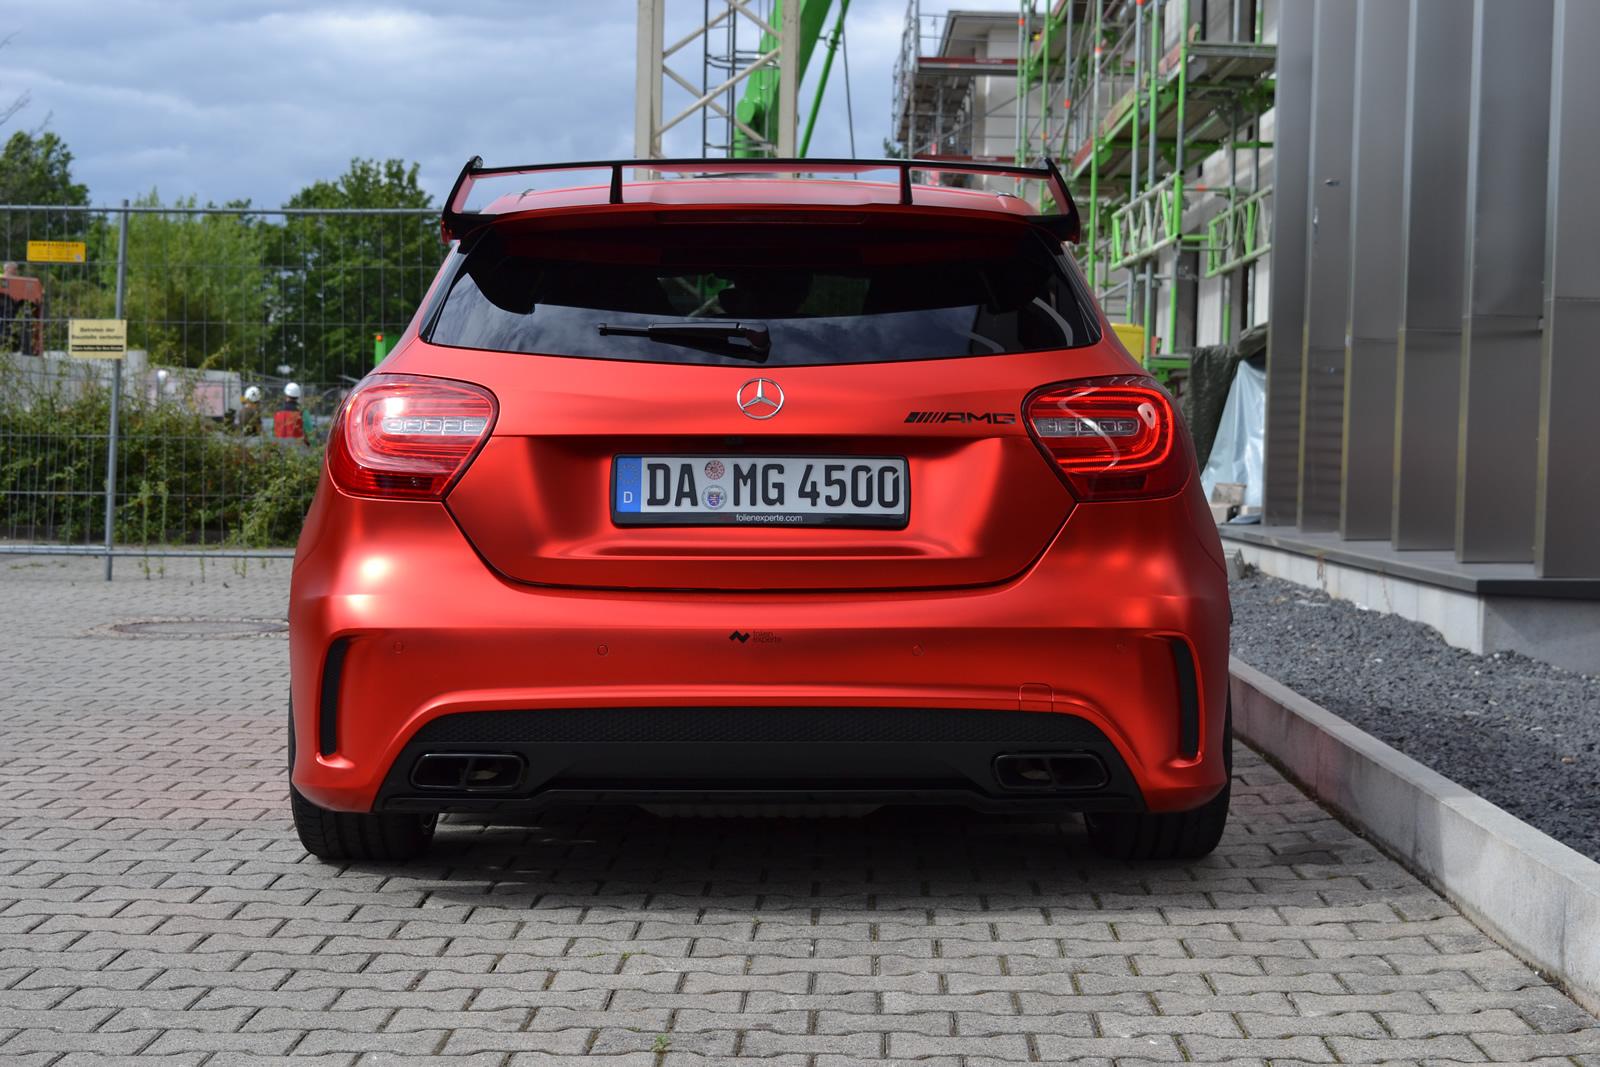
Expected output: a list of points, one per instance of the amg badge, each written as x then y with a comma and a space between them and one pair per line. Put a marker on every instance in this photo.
996, 418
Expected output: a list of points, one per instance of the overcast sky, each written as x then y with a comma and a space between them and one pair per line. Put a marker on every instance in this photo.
229, 99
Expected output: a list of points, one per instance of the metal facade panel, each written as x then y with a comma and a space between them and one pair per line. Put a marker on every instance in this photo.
1286, 302
1373, 318
1432, 272
1567, 509
1501, 343
1327, 264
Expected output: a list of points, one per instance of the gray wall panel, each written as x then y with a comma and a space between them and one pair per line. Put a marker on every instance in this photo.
1432, 359
1327, 264
1373, 318
1433, 254
1507, 173
1567, 509
1286, 302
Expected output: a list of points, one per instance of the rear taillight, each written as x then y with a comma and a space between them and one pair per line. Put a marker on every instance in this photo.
1111, 438
407, 437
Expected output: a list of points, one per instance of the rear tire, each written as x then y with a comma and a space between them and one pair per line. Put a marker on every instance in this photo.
360, 836
363, 837
1177, 835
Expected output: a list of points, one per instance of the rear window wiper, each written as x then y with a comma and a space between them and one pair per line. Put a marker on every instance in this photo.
717, 333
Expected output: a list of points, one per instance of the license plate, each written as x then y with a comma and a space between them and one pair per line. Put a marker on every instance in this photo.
760, 491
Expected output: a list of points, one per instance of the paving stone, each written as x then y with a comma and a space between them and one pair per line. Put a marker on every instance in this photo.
276, 1043
411, 1043
920, 1046
771, 1043
1481, 1023
1585, 1042
566, 1042
627, 1059
23, 1042
155, 907
391, 1059
1059, 1048
176, 1059
1206, 1049
1458, 1047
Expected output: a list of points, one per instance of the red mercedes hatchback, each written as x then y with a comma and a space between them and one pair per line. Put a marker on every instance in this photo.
758, 490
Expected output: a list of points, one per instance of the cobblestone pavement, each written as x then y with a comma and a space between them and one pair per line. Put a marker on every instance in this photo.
154, 904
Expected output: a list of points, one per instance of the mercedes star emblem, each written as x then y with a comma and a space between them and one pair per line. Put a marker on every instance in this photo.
760, 398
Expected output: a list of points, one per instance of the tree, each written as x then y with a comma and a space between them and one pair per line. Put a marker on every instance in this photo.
348, 277
198, 284
37, 169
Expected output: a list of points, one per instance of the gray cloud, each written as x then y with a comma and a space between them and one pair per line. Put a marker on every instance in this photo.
247, 98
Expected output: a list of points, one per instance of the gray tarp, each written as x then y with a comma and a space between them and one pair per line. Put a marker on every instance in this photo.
1237, 448
1205, 388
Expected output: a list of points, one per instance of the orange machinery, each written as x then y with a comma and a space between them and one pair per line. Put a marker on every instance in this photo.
21, 314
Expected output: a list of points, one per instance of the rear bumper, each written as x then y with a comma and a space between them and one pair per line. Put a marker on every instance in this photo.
520, 760
1074, 655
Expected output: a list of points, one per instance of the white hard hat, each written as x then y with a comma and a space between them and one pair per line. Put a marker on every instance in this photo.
292, 390
253, 394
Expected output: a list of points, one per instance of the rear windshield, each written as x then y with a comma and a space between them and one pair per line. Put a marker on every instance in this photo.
798, 295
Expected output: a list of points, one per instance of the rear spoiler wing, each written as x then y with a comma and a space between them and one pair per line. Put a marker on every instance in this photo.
456, 221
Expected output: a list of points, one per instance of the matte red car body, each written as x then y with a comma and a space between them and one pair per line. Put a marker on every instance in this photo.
516, 591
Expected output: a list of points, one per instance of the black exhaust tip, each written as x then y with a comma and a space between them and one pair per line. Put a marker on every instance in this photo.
467, 772
1079, 771
1063, 772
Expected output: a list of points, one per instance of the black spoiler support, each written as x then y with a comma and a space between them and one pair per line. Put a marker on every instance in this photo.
456, 221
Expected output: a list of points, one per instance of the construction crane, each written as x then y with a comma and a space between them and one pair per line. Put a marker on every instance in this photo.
763, 121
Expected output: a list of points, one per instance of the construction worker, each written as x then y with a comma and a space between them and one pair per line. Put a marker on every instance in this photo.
248, 417
287, 423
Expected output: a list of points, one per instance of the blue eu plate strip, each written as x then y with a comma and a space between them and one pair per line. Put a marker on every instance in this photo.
629, 483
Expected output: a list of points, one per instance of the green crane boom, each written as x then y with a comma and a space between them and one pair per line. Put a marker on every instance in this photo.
758, 107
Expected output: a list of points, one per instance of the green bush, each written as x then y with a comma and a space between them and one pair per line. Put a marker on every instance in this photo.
184, 479
284, 480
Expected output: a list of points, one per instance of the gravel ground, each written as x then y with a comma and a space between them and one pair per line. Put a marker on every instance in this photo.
1523, 734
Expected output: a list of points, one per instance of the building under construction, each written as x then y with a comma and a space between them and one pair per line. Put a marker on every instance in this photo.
1160, 112
955, 85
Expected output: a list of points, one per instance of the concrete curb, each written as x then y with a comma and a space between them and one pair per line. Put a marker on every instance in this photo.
1531, 892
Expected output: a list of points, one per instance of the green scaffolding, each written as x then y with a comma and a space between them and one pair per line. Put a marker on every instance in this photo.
1130, 95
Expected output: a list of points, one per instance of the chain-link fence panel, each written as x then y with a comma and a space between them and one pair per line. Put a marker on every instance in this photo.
246, 328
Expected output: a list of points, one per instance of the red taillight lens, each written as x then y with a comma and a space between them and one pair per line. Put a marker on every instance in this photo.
407, 437
1111, 438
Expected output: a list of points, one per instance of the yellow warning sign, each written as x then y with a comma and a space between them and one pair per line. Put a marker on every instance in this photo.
57, 251
97, 338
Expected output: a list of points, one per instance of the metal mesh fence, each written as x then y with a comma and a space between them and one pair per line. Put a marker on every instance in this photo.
225, 308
